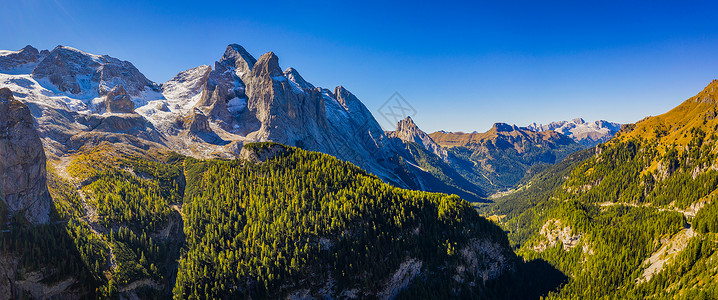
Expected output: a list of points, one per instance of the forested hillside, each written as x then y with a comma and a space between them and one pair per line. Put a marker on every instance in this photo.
632, 218
305, 224
276, 222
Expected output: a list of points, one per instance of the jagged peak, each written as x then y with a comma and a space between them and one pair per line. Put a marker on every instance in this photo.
293, 75
344, 96
407, 122
267, 64
237, 57
407, 130
30, 49
709, 94
341, 90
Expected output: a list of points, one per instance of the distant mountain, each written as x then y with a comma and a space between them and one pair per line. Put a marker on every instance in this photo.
497, 159
584, 133
432, 163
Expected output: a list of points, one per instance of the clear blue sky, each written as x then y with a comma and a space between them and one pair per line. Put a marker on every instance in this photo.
462, 65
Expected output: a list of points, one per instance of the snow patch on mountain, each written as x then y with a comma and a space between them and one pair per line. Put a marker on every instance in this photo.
585, 133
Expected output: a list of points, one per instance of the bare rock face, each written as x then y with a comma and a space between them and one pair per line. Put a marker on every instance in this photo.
236, 57
294, 77
555, 232
261, 154
80, 73
198, 123
117, 101
23, 176
225, 82
286, 115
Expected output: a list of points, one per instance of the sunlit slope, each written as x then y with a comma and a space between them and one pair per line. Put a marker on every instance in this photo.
635, 219
699, 111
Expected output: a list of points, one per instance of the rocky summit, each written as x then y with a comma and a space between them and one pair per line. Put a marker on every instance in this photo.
407, 131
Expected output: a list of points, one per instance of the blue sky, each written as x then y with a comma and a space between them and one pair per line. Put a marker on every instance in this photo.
461, 65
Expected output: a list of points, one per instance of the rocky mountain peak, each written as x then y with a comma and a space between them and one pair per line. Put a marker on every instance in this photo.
345, 97
408, 122
267, 65
709, 94
293, 76
21, 61
237, 57
578, 121
23, 173
408, 131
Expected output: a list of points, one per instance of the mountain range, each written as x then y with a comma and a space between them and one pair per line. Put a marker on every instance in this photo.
131, 177
80, 99
498, 159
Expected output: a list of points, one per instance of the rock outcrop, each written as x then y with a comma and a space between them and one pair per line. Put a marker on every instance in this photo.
555, 232
198, 123
117, 101
23, 174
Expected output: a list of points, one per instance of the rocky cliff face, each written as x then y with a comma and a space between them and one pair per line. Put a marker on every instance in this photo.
117, 101
23, 177
584, 133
